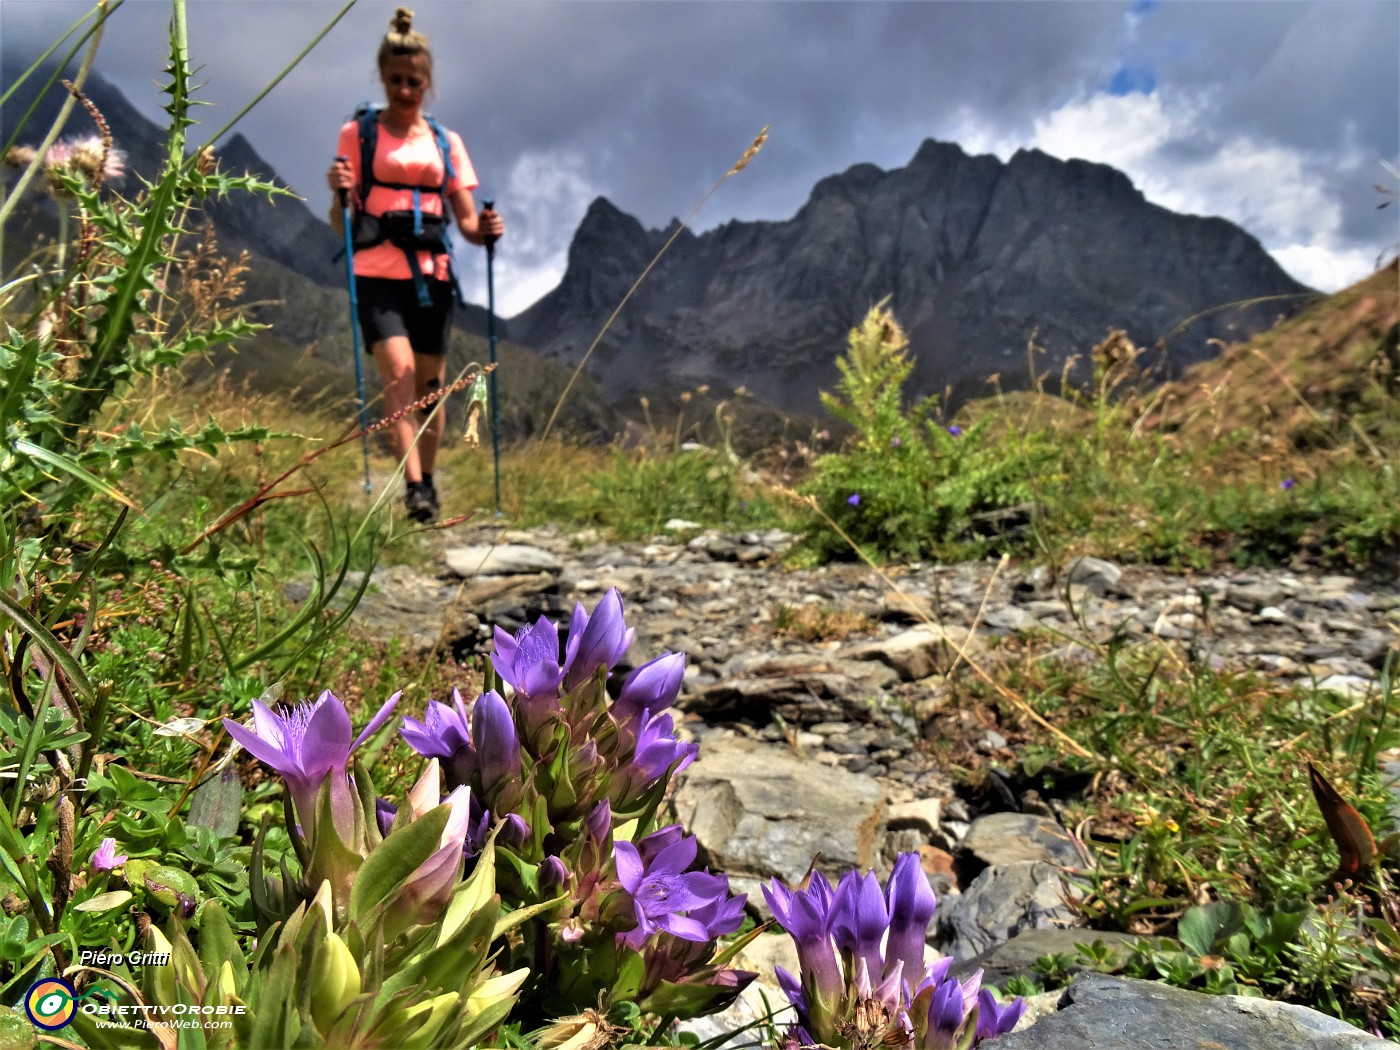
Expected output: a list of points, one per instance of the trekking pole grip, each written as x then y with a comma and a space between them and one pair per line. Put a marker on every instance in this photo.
488, 204
343, 193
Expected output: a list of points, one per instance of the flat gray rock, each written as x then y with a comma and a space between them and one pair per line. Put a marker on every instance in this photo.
506, 559
760, 811
1014, 838
917, 653
1114, 1013
1000, 903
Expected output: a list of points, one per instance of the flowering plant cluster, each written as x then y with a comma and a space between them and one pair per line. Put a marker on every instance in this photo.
534, 818
863, 980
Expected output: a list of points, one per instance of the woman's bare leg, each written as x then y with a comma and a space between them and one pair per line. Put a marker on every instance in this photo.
430, 372
395, 359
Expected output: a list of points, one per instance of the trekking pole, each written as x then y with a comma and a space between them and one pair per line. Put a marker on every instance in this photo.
490, 242
355, 328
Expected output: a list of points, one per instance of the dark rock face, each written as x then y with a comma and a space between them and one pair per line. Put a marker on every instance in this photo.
1112, 1013
977, 256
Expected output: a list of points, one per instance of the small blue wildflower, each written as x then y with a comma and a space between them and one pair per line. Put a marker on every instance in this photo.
895, 442
955, 430
1286, 484
853, 499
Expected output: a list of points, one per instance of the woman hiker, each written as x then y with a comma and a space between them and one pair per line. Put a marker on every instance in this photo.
402, 171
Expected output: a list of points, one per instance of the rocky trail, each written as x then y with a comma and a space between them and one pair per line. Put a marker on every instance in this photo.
837, 746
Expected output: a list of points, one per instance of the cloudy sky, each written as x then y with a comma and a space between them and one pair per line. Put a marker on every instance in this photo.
1280, 116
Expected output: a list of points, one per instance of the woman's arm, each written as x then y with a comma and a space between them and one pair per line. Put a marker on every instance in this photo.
341, 179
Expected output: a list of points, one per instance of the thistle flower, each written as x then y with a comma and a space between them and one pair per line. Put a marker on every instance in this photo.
596, 640
106, 857
306, 744
96, 160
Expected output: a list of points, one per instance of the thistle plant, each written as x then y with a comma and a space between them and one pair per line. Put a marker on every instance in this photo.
906, 483
863, 978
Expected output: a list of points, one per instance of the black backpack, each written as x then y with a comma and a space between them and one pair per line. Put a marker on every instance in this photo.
410, 230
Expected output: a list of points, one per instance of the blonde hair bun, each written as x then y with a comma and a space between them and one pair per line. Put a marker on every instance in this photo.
402, 38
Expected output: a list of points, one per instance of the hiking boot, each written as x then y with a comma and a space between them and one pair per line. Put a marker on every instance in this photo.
421, 503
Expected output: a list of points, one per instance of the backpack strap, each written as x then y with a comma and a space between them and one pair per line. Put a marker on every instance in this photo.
367, 119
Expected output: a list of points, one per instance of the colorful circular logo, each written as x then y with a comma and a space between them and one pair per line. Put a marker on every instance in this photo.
51, 1003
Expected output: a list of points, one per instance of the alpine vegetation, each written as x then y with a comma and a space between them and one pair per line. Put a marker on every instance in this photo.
864, 981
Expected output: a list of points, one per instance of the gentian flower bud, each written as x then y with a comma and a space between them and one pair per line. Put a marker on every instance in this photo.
335, 981
552, 876
596, 641
652, 687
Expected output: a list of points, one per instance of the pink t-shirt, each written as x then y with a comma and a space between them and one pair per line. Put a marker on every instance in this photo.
413, 161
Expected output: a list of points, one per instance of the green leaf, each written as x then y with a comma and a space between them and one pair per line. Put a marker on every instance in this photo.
69, 466
217, 803
104, 901
387, 868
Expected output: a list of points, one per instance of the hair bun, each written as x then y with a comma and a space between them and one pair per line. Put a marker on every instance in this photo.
402, 22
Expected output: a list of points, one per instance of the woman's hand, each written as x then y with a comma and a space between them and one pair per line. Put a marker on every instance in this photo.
340, 178
490, 225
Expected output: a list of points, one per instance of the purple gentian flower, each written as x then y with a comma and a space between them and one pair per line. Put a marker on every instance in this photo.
652, 687
1286, 484
663, 892
597, 640
443, 733
955, 431
859, 919
306, 744
805, 915
853, 499
658, 749
945, 1016
552, 876
529, 661
384, 814
860, 942
993, 1019
911, 902
105, 857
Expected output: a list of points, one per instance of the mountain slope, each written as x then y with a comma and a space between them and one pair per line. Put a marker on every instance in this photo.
978, 257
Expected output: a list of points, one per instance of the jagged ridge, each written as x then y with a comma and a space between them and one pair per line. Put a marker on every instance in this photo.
977, 255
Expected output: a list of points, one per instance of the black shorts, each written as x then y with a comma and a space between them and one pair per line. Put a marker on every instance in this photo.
389, 307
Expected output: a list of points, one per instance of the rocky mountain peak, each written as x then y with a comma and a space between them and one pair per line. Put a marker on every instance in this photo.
977, 255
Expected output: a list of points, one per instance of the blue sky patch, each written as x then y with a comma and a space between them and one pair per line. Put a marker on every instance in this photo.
1130, 80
